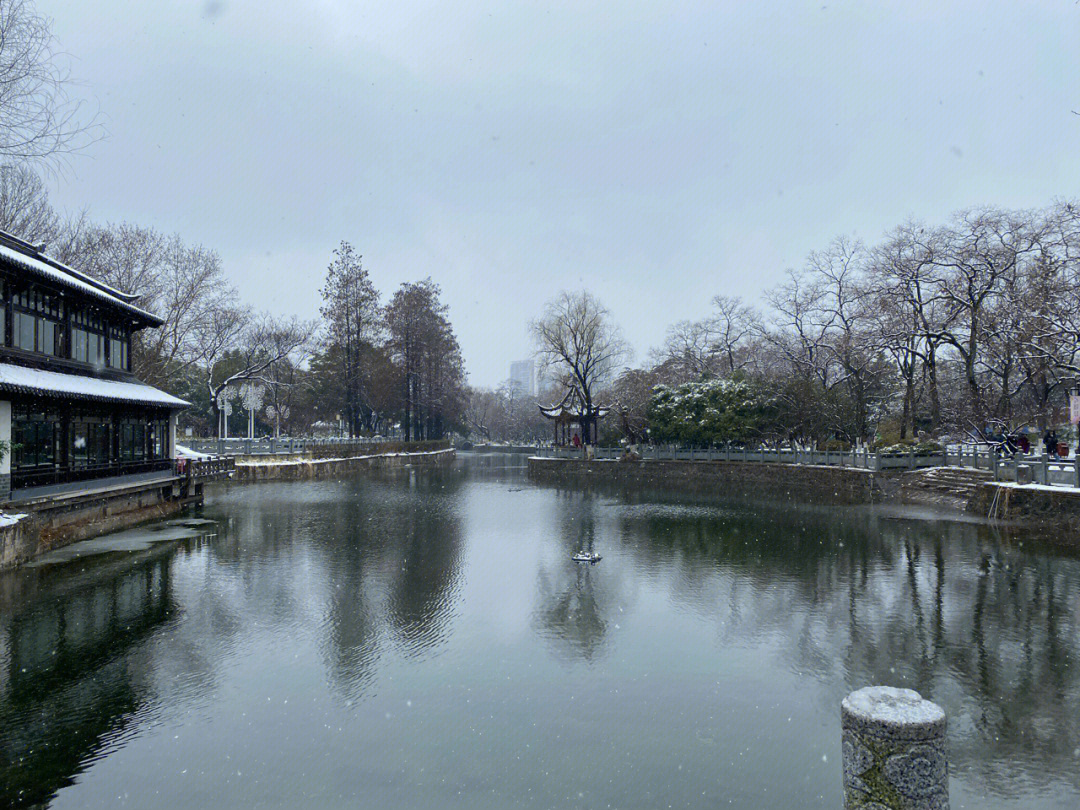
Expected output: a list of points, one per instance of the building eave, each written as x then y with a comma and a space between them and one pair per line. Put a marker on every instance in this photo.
15, 379
62, 276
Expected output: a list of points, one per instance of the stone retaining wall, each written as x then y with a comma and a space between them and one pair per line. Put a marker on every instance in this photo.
1033, 504
56, 522
833, 484
48, 526
263, 469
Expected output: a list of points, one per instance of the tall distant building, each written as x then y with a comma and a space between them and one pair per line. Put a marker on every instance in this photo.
523, 373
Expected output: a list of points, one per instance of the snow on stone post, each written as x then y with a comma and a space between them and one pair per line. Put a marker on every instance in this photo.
894, 751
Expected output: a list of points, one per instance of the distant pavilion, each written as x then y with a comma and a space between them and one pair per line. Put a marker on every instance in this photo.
570, 416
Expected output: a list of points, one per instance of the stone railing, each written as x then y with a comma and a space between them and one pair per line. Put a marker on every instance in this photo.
201, 469
1029, 468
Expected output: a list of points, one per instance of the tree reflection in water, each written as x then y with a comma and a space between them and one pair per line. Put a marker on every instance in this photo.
391, 571
67, 684
571, 602
295, 638
861, 598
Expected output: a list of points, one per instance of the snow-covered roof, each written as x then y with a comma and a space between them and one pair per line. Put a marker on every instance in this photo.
58, 273
24, 380
572, 406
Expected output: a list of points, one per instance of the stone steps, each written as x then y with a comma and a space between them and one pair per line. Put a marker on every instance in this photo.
953, 482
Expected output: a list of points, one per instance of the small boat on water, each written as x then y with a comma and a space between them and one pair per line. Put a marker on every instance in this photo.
585, 557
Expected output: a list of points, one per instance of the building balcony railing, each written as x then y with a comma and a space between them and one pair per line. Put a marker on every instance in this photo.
45, 475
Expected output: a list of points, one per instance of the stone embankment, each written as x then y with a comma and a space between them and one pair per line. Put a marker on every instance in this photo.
52, 522
832, 484
1032, 504
973, 491
262, 468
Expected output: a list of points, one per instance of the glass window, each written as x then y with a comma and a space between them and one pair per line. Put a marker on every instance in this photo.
90, 439
140, 442
116, 357
34, 434
100, 450
80, 444
79, 341
36, 333
23, 331
159, 430
47, 342
95, 349
127, 442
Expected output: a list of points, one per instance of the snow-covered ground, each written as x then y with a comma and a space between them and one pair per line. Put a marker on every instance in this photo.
186, 452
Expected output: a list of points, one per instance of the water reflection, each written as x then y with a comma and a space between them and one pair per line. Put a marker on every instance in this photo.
571, 600
974, 617
337, 641
394, 577
375, 565
66, 684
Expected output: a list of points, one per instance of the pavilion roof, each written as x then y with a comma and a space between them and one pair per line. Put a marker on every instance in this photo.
572, 407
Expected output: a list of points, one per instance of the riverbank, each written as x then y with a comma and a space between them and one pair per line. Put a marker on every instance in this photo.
833, 484
53, 522
1034, 505
252, 468
56, 521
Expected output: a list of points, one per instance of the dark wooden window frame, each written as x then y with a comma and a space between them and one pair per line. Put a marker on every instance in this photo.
103, 428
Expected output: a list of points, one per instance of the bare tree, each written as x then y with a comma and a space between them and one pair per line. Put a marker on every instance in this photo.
39, 120
25, 210
239, 349
480, 410
848, 307
689, 351
978, 252
732, 325
577, 340
713, 346
183, 284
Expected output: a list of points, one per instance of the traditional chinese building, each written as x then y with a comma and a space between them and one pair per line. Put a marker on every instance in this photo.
570, 417
70, 408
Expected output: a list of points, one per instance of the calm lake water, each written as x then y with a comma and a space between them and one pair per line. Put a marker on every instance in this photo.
423, 641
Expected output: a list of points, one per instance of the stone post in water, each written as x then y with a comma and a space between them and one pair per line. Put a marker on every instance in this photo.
894, 751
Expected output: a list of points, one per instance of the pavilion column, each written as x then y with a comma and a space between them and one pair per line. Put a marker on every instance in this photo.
170, 451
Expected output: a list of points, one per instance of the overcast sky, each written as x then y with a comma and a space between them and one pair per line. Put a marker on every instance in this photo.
654, 153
